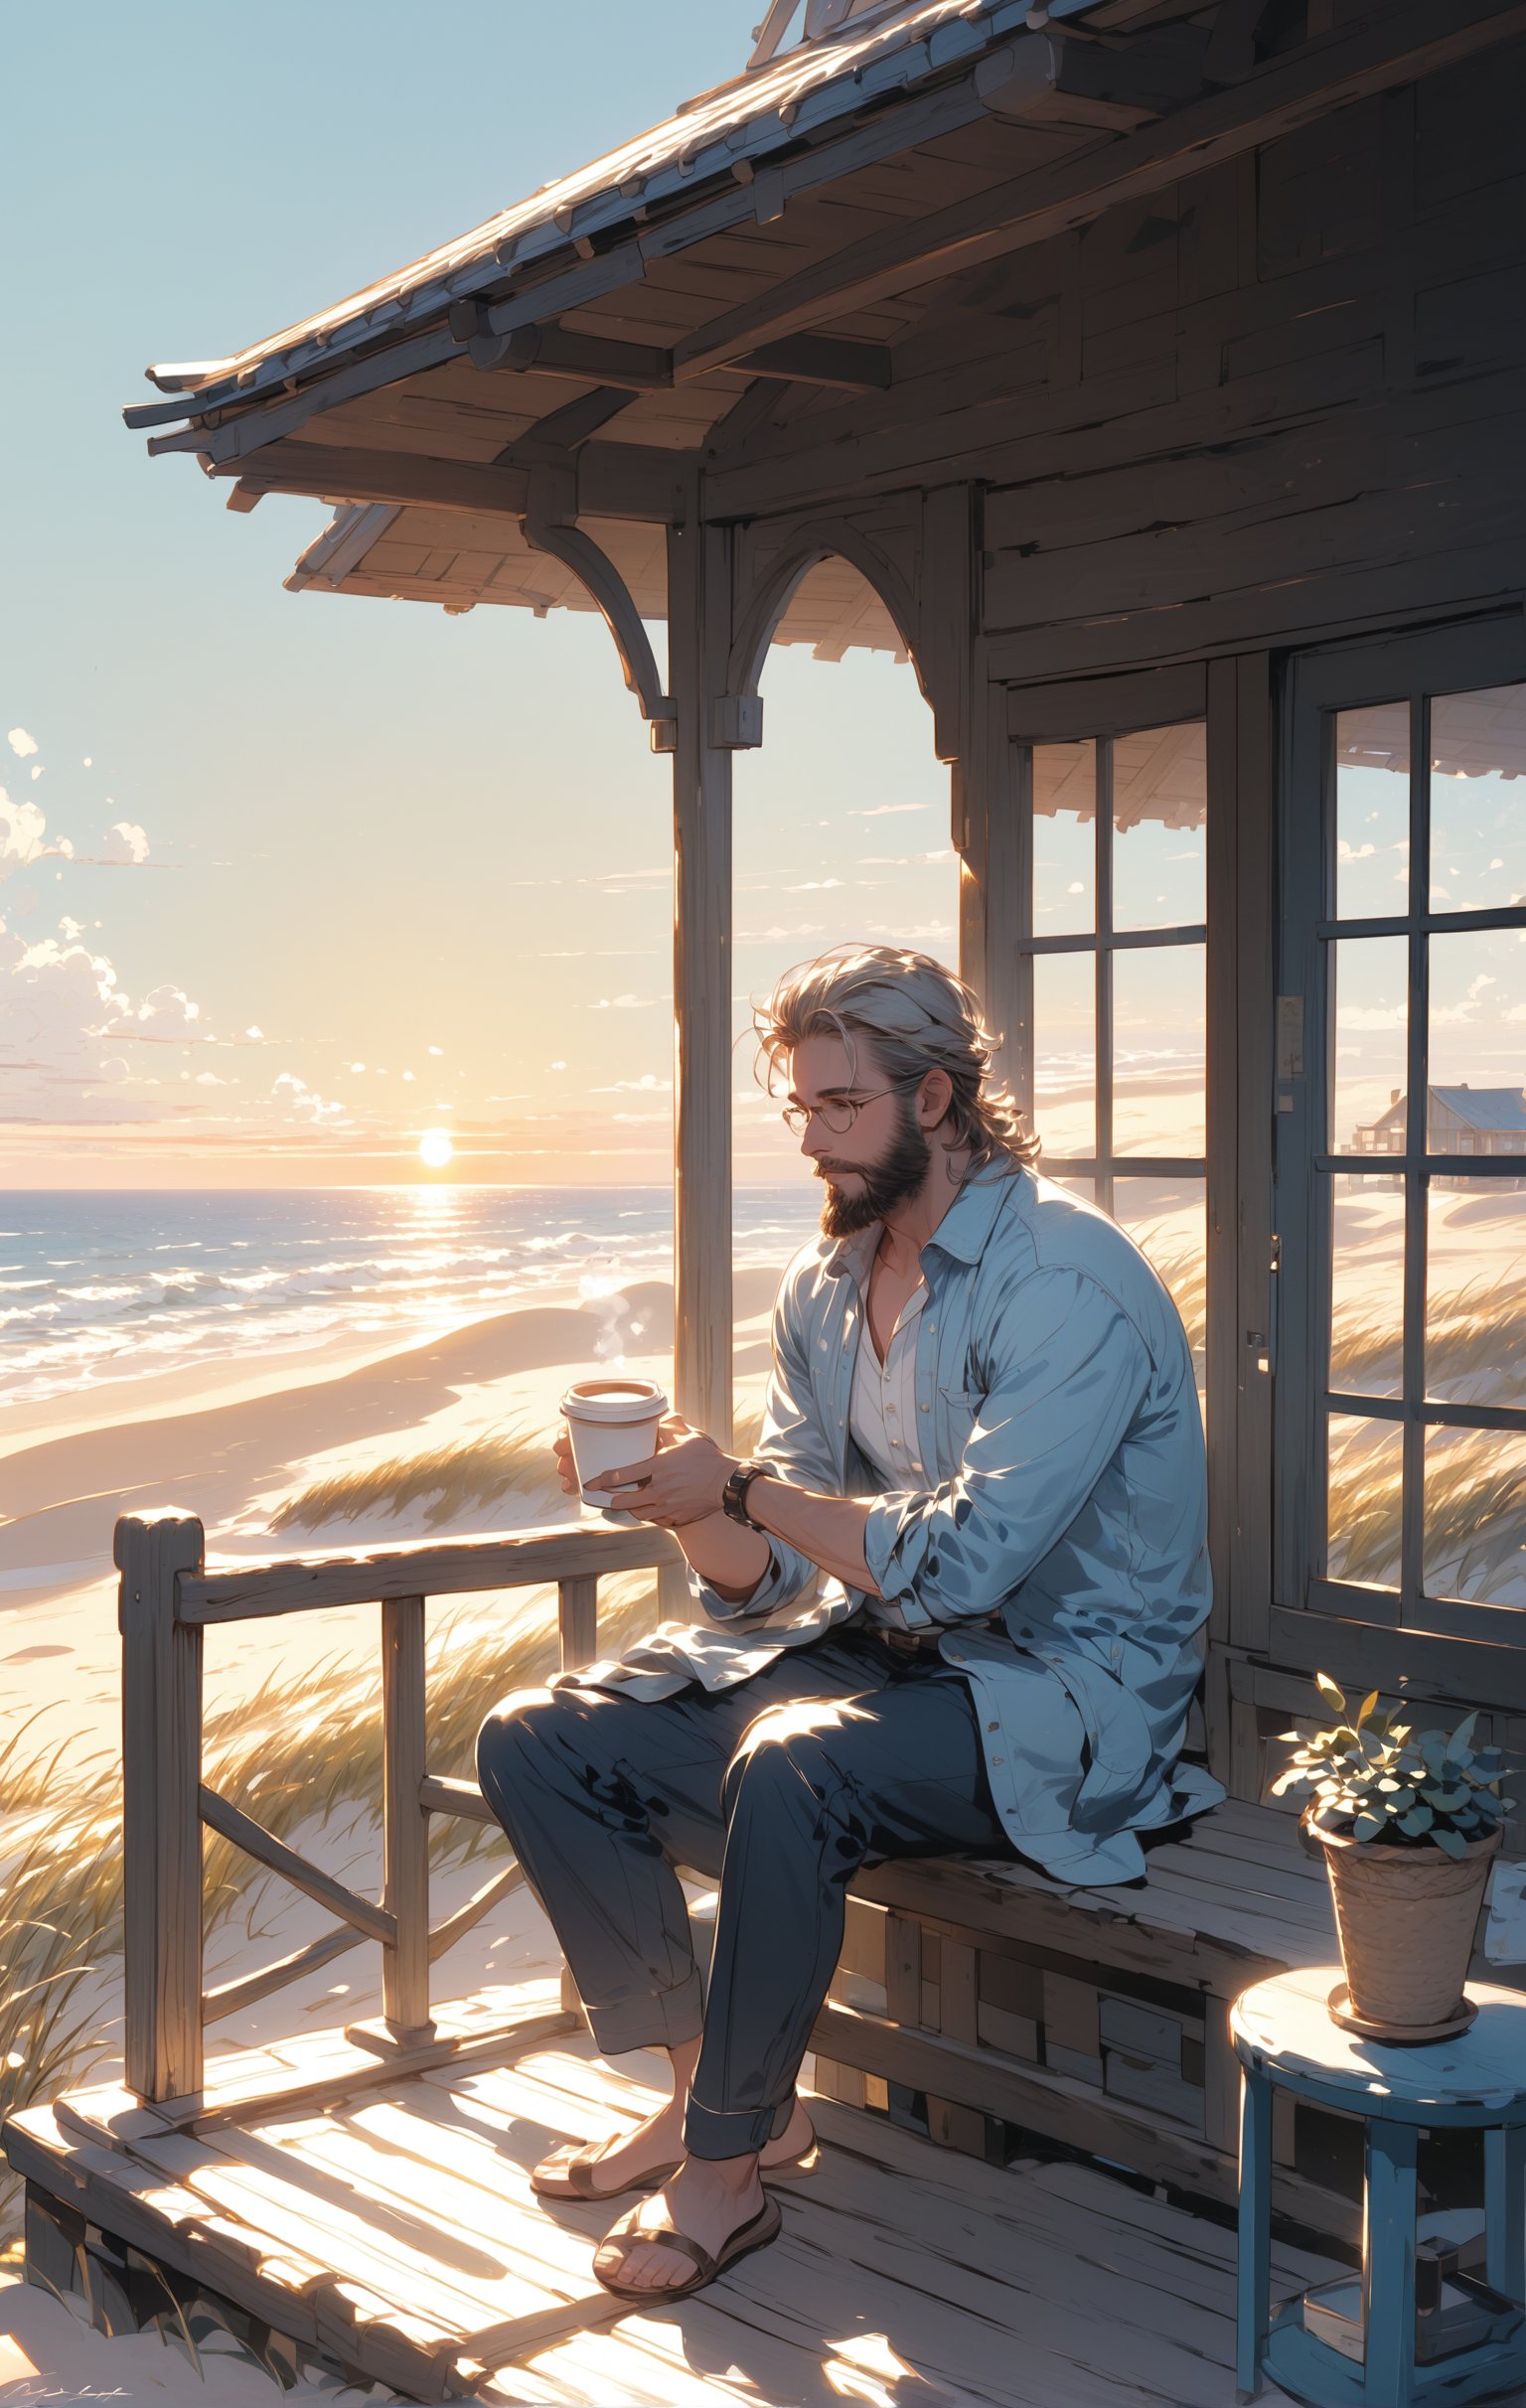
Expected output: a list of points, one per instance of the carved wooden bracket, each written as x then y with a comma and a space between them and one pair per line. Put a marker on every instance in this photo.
549, 525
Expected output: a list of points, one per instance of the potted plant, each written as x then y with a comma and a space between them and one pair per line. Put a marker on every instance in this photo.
1409, 1826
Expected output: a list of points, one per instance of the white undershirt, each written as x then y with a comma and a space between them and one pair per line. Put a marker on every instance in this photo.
882, 1413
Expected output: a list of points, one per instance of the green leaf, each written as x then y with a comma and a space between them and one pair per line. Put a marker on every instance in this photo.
1368, 1825
1415, 1822
1451, 1841
1367, 1705
1328, 1690
1462, 1737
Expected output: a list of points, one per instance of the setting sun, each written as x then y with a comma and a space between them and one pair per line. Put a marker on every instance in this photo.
435, 1148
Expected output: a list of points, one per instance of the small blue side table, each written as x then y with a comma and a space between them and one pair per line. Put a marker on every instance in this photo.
1284, 2034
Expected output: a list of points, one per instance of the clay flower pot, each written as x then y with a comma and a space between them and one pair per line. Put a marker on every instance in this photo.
1406, 1918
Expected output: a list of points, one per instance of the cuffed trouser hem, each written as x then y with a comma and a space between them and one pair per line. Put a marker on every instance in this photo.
663, 2019
710, 2132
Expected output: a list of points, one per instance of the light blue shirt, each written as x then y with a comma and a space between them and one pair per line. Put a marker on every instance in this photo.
1059, 1545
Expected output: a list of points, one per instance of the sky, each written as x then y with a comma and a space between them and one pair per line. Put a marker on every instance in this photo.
289, 881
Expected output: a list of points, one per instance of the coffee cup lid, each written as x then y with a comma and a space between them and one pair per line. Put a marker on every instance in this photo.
613, 1400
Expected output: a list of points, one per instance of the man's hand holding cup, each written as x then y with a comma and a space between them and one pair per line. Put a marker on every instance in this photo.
626, 1455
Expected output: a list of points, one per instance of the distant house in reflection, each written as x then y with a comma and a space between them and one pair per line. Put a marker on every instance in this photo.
1462, 1120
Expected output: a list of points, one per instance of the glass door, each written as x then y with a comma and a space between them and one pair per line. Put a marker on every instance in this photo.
1401, 1136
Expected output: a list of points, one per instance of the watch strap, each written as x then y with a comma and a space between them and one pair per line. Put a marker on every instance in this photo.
733, 1502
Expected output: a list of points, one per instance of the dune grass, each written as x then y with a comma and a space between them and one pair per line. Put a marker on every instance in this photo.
516, 1462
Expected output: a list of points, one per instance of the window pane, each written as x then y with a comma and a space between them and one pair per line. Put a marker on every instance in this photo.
1065, 1053
1158, 1050
1477, 1043
1064, 840
1085, 1189
1477, 823
1159, 809
1475, 1269
1365, 1500
1475, 1515
1372, 812
1371, 1025
1169, 1220
1366, 1285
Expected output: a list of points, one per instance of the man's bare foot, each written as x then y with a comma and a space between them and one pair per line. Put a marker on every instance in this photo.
707, 2200
655, 2144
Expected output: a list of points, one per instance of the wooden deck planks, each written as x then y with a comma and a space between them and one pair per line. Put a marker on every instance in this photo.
399, 2227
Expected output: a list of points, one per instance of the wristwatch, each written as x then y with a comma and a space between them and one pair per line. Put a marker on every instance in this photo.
733, 1497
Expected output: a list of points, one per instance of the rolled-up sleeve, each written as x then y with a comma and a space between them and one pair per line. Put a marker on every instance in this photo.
1071, 1370
793, 1438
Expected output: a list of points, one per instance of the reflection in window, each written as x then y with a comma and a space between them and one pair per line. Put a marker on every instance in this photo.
1160, 815
1159, 1051
1478, 1043
1065, 1053
1477, 824
1372, 813
1475, 1515
1475, 1276
1169, 1220
1366, 1221
1064, 840
1364, 1501
1371, 1016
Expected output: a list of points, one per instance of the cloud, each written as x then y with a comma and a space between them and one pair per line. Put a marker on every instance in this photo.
126, 846
813, 883
881, 810
21, 743
295, 1100
649, 1084
23, 831
625, 1004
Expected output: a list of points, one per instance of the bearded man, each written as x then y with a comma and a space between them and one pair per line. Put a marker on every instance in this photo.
960, 1590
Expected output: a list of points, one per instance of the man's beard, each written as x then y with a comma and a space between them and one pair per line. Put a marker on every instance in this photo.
900, 1171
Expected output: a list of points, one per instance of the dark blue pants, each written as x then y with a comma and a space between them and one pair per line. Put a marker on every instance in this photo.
838, 1754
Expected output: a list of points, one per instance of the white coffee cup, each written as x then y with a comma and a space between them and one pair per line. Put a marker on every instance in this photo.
612, 1421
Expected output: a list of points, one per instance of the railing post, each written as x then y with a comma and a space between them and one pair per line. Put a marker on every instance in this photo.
404, 1820
577, 1620
161, 1821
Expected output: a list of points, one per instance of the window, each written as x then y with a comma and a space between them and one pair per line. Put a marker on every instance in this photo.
1114, 939
1408, 1287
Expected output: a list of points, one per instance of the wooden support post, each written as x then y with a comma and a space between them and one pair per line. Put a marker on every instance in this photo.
577, 1620
161, 1823
405, 1824
698, 649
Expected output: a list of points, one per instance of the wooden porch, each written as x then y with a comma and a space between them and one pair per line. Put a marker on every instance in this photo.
391, 2227
360, 2193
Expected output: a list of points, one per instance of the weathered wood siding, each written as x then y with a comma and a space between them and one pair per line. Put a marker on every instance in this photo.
1272, 404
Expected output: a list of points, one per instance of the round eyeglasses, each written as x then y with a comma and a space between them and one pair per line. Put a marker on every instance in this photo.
838, 1113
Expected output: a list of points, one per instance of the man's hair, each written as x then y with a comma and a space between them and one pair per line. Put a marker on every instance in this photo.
917, 1017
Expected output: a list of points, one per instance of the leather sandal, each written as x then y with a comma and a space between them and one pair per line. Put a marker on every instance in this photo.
754, 2234
578, 2164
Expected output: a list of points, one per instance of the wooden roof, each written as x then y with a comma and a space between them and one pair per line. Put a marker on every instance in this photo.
849, 239
882, 50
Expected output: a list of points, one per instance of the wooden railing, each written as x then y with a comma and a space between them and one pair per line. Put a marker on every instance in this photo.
166, 1600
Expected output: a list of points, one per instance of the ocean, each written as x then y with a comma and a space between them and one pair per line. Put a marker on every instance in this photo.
98, 1287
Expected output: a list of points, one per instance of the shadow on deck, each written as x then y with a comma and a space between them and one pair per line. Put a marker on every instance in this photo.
389, 2225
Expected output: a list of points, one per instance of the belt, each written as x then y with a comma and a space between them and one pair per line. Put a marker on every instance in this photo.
907, 1642
924, 1642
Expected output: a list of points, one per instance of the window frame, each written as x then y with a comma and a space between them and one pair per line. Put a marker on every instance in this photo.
1308, 1608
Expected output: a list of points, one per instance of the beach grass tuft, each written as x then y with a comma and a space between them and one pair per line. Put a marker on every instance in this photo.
449, 1481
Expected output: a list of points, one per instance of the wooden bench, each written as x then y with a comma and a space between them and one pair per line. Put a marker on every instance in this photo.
974, 1996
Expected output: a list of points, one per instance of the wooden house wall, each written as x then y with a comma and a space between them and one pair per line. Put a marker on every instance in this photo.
1268, 408
1271, 403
